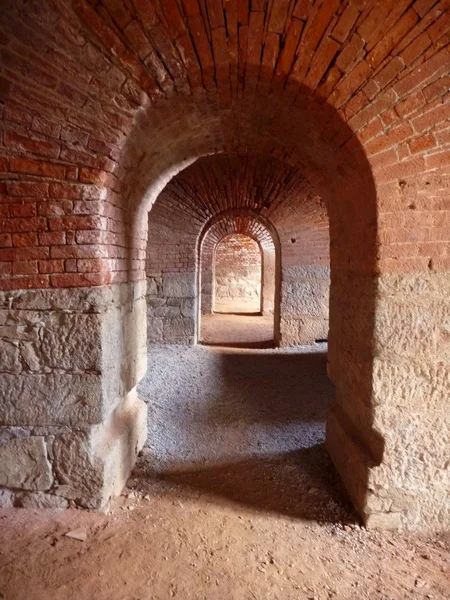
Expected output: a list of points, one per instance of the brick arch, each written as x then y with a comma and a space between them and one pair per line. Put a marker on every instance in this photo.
257, 227
274, 128
103, 102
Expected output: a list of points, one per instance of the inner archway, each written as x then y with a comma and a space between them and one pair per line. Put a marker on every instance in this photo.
220, 415
261, 328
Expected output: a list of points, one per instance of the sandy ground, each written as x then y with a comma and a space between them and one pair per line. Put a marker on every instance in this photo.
234, 498
243, 331
235, 305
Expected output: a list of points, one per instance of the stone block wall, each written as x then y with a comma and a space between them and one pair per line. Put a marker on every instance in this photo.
398, 414
70, 421
237, 274
305, 292
171, 308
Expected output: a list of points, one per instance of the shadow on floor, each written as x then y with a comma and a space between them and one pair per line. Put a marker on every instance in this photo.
258, 345
300, 484
243, 427
270, 388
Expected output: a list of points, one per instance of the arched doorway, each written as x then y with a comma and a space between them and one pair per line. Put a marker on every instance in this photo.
263, 327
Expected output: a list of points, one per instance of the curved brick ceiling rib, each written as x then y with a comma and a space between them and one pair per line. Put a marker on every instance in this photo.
216, 185
93, 64
222, 182
244, 224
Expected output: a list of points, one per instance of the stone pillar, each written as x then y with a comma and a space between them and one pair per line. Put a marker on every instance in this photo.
71, 423
304, 306
388, 432
171, 308
207, 280
268, 281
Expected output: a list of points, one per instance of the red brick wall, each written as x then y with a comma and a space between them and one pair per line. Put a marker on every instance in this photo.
69, 102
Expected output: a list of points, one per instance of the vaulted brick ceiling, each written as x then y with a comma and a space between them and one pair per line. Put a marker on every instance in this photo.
234, 185
124, 94
231, 181
238, 223
250, 194
92, 64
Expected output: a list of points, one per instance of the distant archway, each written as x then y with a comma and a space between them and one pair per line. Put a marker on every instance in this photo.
247, 223
237, 268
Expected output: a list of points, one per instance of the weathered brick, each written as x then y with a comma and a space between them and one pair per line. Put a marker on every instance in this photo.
23, 210
17, 225
25, 239
45, 127
23, 283
287, 54
23, 165
27, 188
79, 279
29, 267
5, 240
345, 23
51, 266
23, 144
421, 143
277, 20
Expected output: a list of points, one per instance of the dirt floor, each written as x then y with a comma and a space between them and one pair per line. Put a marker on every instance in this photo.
234, 498
231, 330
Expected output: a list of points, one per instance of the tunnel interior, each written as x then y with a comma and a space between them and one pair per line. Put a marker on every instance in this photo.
135, 135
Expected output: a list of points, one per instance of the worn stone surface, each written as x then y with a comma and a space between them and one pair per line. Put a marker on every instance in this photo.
179, 330
171, 308
40, 500
65, 362
24, 464
11, 433
391, 444
87, 299
118, 442
70, 359
124, 350
295, 332
304, 307
178, 285
50, 399
93, 466
6, 498
79, 475
42, 341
